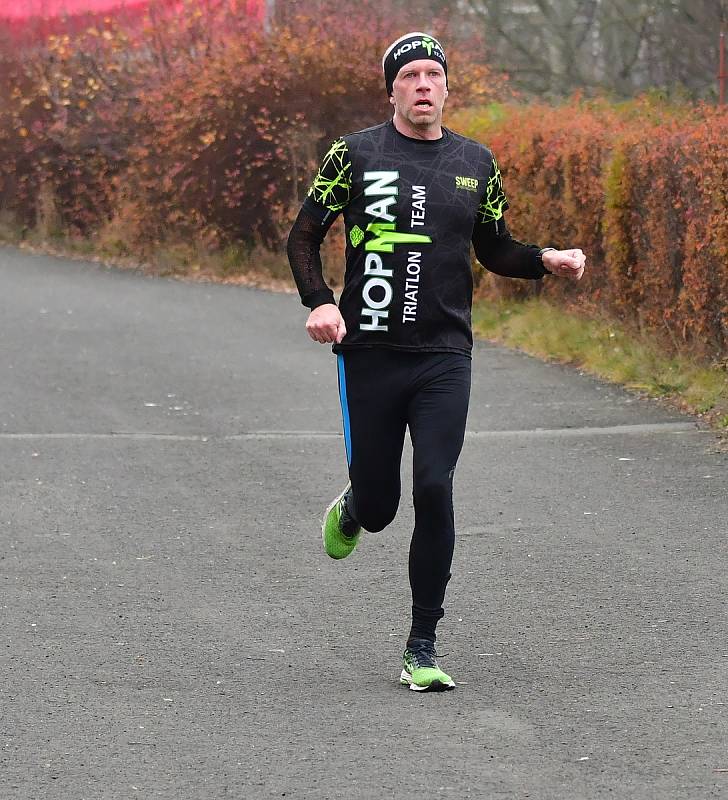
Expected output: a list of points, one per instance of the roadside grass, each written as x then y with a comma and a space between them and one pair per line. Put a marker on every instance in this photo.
610, 351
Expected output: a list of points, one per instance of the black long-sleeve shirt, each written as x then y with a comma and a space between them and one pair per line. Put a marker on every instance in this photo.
411, 209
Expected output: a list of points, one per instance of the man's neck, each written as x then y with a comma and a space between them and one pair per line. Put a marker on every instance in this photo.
426, 132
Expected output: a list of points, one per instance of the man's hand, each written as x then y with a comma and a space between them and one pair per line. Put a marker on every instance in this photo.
565, 263
325, 324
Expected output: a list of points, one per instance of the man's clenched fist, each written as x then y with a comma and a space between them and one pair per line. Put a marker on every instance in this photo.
565, 263
325, 324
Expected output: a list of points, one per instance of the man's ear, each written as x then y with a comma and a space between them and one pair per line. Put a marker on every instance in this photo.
391, 99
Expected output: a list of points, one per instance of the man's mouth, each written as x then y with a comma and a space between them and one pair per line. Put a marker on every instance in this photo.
425, 104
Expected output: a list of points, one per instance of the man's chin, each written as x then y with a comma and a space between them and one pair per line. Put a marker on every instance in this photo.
423, 120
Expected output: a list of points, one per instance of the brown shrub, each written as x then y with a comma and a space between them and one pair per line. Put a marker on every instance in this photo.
642, 190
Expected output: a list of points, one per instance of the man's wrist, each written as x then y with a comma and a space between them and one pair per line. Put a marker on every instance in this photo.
540, 255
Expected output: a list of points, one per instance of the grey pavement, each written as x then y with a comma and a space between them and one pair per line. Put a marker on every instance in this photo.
171, 627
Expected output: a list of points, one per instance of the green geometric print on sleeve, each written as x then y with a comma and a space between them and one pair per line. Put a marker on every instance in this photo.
494, 200
332, 185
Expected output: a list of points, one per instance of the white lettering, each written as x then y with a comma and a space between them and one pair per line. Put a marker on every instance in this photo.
374, 266
405, 48
375, 316
380, 185
418, 205
373, 283
409, 312
380, 208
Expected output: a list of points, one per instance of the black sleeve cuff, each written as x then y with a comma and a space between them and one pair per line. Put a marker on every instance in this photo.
318, 298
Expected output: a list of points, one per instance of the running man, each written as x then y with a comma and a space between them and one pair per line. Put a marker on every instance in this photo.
414, 195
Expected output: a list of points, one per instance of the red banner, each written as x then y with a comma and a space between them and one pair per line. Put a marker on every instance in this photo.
25, 9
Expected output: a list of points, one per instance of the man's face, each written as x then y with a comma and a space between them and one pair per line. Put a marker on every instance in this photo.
419, 92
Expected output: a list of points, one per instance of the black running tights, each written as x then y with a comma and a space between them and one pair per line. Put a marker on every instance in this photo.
382, 393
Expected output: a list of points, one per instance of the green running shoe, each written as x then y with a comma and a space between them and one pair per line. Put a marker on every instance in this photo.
421, 671
340, 532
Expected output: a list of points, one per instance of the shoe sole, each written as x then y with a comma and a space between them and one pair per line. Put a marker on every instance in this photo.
436, 686
326, 516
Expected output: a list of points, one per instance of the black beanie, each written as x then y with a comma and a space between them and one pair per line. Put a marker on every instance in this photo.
411, 47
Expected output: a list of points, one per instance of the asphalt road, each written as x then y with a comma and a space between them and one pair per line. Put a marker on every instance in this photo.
170, 626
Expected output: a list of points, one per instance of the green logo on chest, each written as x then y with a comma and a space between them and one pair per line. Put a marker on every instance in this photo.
386, 237
356, 236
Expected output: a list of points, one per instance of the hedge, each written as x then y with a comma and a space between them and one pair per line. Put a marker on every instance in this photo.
641, 188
